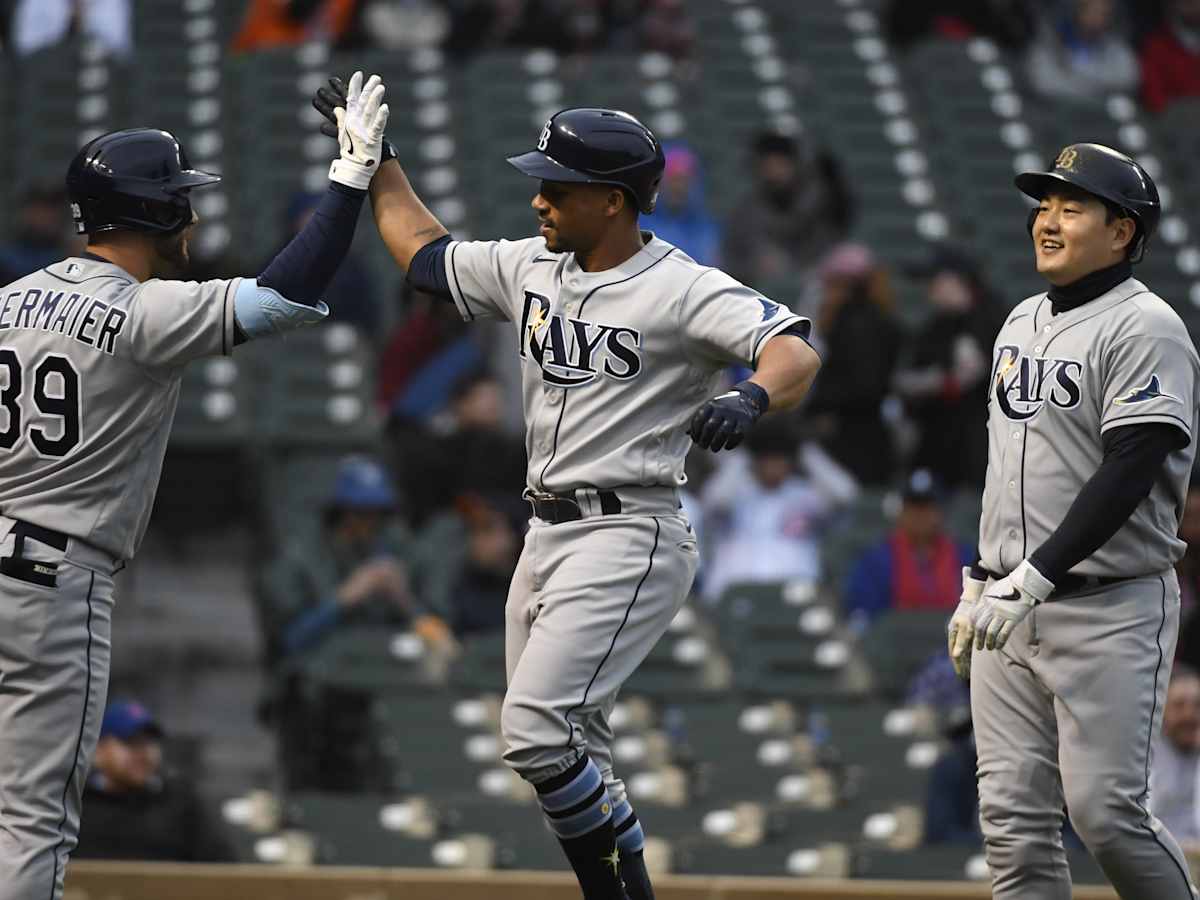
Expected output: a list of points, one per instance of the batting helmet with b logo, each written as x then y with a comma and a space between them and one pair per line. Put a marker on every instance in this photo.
1105, 173
603, 146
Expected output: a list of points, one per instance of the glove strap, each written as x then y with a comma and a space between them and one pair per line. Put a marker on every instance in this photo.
389, 152
350, 173
755, 394
1032, 582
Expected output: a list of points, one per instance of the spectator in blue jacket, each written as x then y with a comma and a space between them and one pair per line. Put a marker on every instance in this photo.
357, 573
917, 566
681, 216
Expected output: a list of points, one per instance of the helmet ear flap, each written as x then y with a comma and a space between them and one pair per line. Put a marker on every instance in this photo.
1137, 246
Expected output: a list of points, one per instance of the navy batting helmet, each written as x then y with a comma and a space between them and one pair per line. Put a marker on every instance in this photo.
602, 146
138, 179
1105, 173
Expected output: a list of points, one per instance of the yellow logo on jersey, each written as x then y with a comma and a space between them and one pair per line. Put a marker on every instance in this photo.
537, 318
1066, 159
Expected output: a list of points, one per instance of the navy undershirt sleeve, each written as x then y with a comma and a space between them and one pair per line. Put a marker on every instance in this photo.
1133, 459
302, 270
427, 271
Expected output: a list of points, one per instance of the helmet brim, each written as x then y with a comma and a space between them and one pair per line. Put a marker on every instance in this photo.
193, 178
1038, 184
537, 164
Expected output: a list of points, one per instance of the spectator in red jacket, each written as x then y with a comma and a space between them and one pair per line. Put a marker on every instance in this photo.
1171, 56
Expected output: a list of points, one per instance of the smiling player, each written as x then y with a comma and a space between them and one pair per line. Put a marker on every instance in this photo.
1073, 611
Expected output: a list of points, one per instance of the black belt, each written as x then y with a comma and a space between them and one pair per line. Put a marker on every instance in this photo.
558, 508
1073, 584
33, 571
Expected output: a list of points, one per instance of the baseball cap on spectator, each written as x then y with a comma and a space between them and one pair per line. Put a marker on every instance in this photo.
847, 260
921, 486
126, 719
774, 436
362, 483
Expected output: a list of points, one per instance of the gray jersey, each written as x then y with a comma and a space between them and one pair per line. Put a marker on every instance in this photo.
1058, 383
613, 363
90, 365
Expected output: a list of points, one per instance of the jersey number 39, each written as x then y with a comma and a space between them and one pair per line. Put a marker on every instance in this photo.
55, 394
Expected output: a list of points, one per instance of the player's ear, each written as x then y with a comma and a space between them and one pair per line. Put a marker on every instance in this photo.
615, 201
1123, 233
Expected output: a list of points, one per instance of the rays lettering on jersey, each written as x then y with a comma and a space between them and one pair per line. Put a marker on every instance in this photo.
573, 352
1022, 384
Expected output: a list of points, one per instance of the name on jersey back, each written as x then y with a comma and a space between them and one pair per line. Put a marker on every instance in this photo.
80, 316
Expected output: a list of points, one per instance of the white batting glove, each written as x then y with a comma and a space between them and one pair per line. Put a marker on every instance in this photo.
1006, 603
960, 633
360, 132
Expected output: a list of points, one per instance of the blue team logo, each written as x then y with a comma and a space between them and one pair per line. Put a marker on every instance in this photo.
1152, 390
769, 309
574, 352
1021, 384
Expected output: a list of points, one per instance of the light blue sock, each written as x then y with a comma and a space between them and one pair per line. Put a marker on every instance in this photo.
575, 802
630, 837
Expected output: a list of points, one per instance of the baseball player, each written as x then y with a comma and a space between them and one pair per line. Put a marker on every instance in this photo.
92, 353
1068, 622
621, 340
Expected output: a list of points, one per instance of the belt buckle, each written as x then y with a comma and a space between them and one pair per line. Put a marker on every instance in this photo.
549, 503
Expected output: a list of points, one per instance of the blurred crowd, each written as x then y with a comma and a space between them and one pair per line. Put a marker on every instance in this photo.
1078, 51
422, 534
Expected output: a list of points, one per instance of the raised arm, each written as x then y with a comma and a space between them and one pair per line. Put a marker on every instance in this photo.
287, 293
405, 223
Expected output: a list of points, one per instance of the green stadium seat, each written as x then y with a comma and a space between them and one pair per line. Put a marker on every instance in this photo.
900, 643
349, 830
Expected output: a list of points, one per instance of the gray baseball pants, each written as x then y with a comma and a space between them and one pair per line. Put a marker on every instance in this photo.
589, 600
54, 663
1065, 715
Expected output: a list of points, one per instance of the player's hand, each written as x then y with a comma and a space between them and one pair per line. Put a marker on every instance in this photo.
384, 577
1009, 600
960, 633
360, 132
326, 101
721, 423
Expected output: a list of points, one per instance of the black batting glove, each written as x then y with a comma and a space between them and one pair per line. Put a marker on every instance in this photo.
330, 97
722, 423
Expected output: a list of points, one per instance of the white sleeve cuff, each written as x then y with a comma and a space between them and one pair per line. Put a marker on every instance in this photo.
261, 311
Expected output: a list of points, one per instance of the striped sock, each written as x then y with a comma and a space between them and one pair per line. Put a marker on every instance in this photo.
577, 807
630, 838
576, 801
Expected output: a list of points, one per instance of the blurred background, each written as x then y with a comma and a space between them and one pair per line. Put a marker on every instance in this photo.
308, 651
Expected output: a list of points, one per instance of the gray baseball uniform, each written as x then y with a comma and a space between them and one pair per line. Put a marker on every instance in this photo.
613, 364
90, 366
1067, 711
